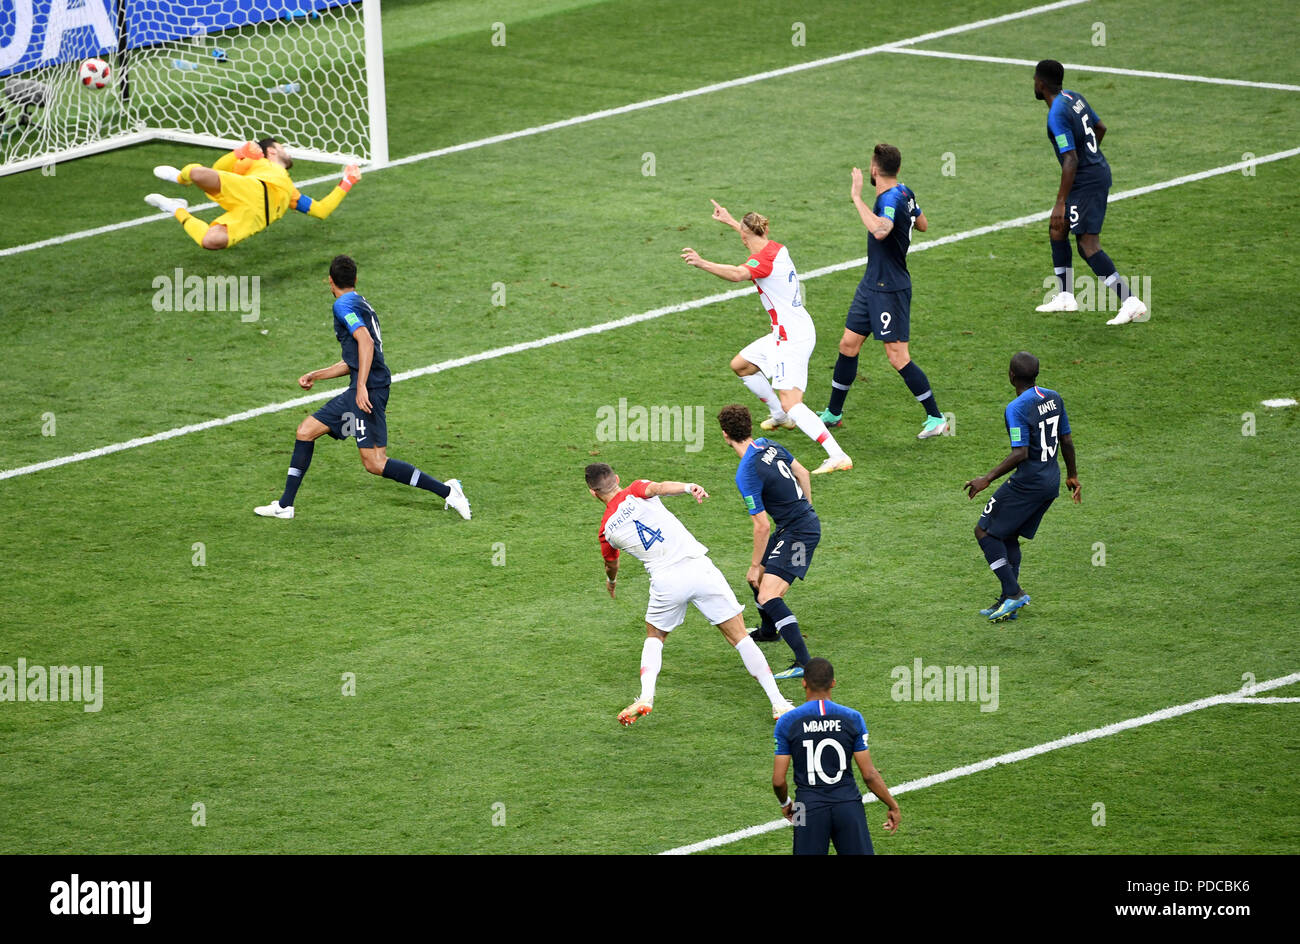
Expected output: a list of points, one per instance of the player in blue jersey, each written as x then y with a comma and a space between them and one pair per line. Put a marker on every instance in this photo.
1038, 426
818, 738
359, 410
1075, 133
772, 482
882, 305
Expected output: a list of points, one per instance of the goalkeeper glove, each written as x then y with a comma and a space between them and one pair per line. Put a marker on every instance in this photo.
350, 176
249, 151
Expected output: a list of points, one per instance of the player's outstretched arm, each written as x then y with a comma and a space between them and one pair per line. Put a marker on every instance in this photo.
876, 784
730, 273
324, 207
722, 216
676, 488
340, 369
978, 484
1071, 470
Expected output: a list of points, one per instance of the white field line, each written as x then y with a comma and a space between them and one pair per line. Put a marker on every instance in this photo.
1014, 757
1109, 70
601, 328
1246, 700
584, 119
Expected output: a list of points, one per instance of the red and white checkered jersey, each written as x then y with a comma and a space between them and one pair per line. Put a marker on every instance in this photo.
774, 276
646, 529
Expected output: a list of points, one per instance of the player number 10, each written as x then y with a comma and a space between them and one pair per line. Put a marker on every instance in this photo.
814, 765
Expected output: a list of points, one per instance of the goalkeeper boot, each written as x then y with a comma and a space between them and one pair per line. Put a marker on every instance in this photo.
168, 205
168, 173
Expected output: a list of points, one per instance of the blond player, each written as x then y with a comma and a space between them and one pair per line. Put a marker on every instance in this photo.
680, 573
775, 367
253, 186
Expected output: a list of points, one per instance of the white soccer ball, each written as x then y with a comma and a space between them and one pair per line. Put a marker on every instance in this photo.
94, 73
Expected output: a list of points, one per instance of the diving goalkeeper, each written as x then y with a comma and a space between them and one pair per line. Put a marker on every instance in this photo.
252, 185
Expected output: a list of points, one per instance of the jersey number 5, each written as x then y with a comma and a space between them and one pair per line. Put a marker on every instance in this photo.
1091, 143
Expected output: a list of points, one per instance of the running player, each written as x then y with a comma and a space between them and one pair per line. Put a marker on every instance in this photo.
680, 572
1075, 133
782, 354
772, 482
1037, 424
818, 737
359, 410
882, 304
252, 185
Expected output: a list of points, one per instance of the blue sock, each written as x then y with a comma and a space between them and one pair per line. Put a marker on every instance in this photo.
846, 371
1105, 269
765, 626
407, 474
1013, 557
995, 552
1062, 264
779, 613
919, 384
302, 449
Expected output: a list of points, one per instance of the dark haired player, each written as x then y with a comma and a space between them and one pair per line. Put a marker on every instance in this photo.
882, 304
818, 737
359, 410
1075, 133
1038, 426
772, 482
252, 185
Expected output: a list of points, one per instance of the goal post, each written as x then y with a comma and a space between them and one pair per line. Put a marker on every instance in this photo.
207, 72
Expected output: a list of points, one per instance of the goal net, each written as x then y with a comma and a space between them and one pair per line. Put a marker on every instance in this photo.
209, 72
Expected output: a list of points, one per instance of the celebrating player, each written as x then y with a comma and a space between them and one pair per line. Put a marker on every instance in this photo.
252, 185
680, 572
772, 482
819, 736
882, 304
783, 353
1037, 424
1075, 132
359, 410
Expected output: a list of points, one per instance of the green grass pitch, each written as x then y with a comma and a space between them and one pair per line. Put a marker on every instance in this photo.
489, 663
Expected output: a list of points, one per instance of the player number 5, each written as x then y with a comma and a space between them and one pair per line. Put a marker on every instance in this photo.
1091, 143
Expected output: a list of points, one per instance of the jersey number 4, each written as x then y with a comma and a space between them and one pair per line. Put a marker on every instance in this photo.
648, 536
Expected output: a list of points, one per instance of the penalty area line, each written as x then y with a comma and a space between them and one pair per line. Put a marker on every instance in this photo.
588, 117
1164, 714
624, 322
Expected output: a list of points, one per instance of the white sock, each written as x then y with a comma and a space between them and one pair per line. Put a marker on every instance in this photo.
815, 429
759, 386
757, 665
652, 660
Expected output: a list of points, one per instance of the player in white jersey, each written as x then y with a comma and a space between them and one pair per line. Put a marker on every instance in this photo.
680, 573
775, 367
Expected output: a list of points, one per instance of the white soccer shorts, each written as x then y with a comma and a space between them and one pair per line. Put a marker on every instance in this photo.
785, 364
693, 580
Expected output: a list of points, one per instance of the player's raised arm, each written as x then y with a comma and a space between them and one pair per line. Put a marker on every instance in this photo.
876, 226
876, 784
1071, 470
676, 488
731, 273
327, 205
722, 216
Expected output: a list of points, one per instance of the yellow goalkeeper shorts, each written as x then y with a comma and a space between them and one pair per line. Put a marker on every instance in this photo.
246, 203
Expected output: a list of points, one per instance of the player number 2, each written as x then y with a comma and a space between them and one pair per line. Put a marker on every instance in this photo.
1047, 428
814, 757
785, 470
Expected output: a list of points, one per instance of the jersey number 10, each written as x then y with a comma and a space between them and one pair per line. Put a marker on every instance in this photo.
814, 761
